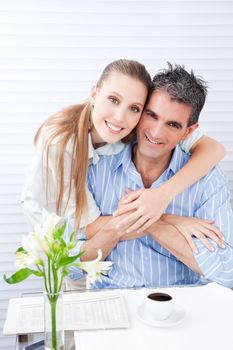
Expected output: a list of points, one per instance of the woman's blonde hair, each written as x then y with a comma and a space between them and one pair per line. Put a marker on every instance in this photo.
73, 124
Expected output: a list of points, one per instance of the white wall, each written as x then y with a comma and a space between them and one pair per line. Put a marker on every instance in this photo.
51, 52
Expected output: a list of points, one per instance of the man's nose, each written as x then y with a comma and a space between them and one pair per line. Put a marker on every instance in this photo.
157, 130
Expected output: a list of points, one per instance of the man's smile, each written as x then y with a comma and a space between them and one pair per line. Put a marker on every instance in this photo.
153, 142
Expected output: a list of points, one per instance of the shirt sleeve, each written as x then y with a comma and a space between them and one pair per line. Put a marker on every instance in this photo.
75, 272
217, 266
93, 211
33, 197
186, 145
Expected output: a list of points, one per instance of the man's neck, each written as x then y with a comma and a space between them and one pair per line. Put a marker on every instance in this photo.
149, 169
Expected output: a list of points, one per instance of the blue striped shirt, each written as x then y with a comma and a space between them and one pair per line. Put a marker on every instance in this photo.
142, 261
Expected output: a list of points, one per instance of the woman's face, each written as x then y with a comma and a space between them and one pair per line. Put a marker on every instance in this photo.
118, 105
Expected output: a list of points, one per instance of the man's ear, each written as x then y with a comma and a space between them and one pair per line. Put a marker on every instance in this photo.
189, 131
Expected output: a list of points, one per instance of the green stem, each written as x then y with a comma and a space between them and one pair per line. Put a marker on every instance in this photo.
45, 282
49, 275
53, 320
55, 279
60, 285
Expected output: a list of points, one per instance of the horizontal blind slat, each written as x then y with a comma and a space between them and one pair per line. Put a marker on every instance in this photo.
52, 52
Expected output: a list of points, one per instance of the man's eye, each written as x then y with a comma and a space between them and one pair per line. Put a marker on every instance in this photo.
135, 109
113, 100
150, 114
174, 125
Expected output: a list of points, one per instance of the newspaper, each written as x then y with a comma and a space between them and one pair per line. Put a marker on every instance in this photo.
82, 311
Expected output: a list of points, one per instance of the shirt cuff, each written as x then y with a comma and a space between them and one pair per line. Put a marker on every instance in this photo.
213, 264
90, 217
77, 273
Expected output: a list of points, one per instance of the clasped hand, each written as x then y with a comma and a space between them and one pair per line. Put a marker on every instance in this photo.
146, 206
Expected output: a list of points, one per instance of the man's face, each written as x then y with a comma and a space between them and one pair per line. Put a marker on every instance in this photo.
162, 126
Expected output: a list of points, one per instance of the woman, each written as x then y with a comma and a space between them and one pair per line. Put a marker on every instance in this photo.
73, 138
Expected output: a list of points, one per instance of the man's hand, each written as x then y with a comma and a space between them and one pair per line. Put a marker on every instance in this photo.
201, 229
172, 240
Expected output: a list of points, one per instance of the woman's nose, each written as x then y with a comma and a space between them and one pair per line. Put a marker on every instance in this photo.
119, 116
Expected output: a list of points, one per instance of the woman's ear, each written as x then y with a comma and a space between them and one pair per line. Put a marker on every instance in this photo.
93, 94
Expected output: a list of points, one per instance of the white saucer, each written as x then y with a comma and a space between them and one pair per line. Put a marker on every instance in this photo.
174, 319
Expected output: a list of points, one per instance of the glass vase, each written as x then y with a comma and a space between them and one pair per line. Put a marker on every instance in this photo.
53, 321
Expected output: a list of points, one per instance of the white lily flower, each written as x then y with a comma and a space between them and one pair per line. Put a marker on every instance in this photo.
31, 246
51, 222
23, 259
95, 267
43, 234
49, 253
44, 244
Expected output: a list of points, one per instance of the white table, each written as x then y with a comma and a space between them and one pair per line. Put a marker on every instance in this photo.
208, 324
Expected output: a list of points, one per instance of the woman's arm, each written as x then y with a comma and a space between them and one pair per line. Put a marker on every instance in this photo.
150, 204
206, 153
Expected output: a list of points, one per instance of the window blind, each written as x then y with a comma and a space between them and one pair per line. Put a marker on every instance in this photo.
52, 52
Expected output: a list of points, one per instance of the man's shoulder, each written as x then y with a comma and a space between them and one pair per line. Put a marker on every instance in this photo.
211, 182
215, 177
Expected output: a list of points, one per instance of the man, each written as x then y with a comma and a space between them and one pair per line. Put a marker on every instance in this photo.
161, 256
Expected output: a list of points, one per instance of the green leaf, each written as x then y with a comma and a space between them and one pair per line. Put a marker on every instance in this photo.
21, 275
37, 273
72, 236
72, 245
59, 232
65, 271
63, 243
68, 260
20, 250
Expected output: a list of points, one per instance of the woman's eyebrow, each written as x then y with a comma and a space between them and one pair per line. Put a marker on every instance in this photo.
119, 95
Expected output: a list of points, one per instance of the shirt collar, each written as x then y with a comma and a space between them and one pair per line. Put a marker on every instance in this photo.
124, 159
179, 157
108, 149
177, 160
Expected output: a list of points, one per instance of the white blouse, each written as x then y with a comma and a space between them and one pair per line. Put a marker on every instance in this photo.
33, 197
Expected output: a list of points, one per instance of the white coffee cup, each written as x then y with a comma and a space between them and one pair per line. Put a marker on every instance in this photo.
159, 305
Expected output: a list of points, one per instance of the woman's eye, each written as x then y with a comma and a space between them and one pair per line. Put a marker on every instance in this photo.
135, 109
113, 100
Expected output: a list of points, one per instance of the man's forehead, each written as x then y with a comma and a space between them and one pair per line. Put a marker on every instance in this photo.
163, 105
158, 95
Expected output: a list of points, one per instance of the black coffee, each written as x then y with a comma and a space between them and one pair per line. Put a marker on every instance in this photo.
159, 296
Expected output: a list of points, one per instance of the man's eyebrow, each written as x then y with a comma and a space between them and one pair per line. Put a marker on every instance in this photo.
151, 112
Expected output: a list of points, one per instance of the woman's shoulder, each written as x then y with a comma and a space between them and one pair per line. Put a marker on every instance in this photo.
111, 148
46, 139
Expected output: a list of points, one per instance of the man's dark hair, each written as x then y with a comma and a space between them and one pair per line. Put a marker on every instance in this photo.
182, 86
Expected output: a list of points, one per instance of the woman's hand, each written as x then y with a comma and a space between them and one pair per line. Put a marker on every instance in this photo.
201, 229
146, 207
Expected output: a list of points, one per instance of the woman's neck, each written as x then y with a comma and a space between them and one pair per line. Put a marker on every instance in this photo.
97, 142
